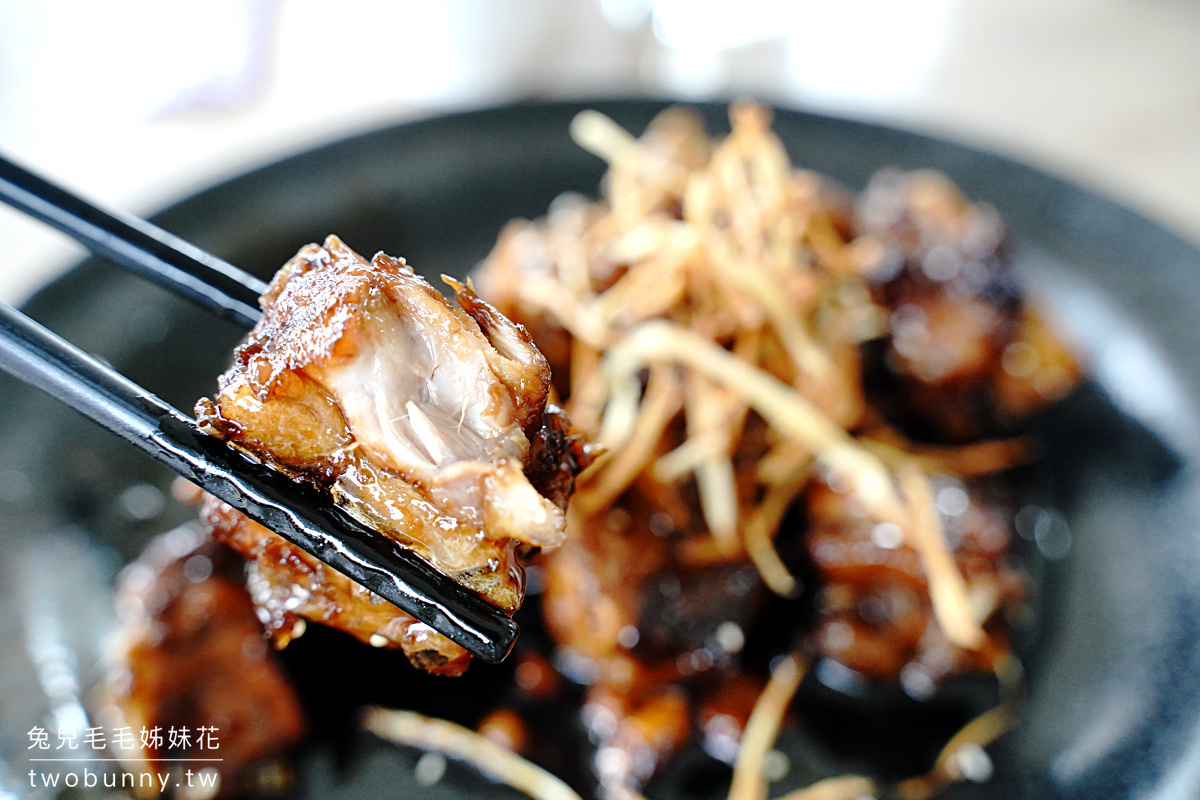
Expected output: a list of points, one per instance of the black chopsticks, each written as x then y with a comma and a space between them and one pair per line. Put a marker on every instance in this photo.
300, 514
137, 245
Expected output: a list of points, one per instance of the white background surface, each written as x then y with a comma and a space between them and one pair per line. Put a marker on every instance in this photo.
135, 103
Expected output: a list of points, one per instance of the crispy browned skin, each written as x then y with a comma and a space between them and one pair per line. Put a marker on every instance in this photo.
428, 422
190, 653
288, 587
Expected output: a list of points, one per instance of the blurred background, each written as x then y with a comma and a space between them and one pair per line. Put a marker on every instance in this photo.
137, 103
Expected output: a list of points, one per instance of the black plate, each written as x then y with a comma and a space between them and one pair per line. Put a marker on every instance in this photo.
1114, 661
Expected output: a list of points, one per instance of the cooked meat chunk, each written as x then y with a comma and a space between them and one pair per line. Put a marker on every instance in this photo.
875, 614
289, 586
190, 655
966, 355
419, 417
648, 630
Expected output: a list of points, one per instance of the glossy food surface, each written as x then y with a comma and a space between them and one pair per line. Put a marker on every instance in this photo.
1112, 710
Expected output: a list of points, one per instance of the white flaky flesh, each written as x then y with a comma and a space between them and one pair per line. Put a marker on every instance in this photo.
415, 413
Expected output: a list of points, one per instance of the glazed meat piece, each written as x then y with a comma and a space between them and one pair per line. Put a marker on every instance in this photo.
649, 631
874, 613
966, 356
190, 654
625, 602
419, 417
289, 587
